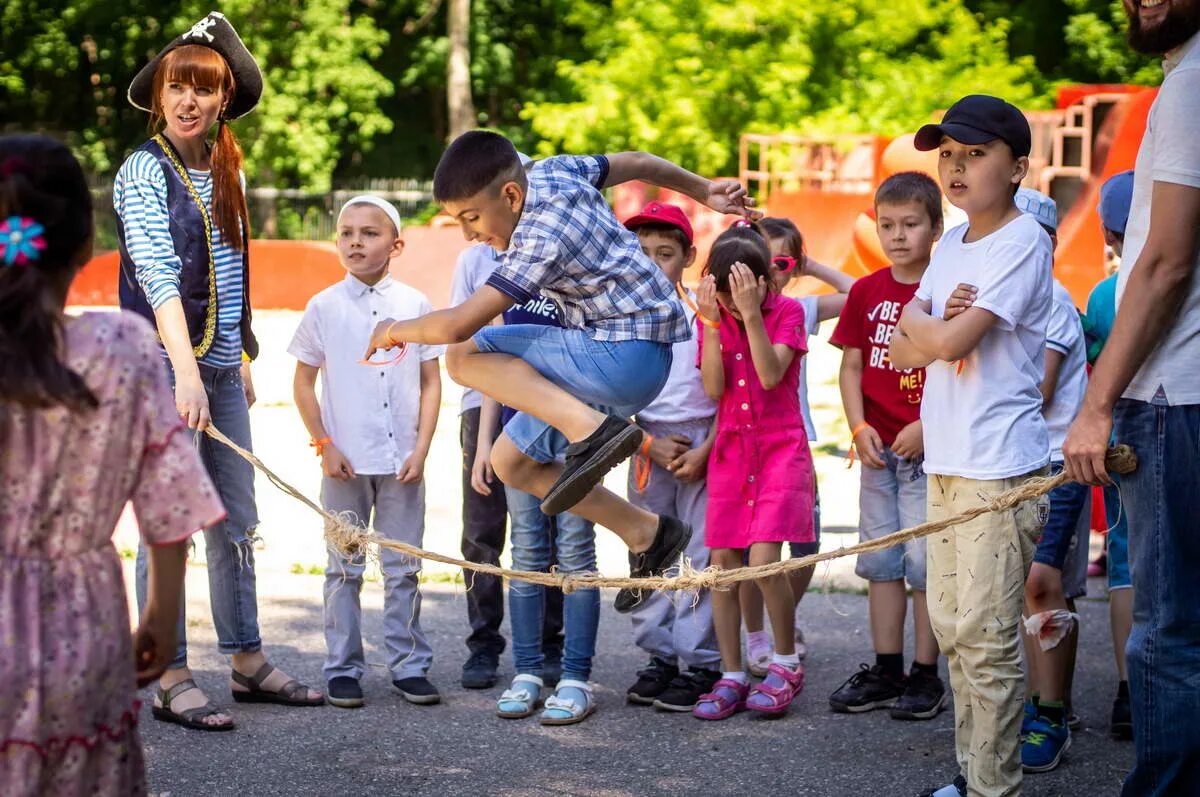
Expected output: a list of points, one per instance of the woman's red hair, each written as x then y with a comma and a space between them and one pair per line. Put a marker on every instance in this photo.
204, 67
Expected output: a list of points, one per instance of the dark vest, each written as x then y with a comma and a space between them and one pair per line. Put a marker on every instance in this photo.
197, 280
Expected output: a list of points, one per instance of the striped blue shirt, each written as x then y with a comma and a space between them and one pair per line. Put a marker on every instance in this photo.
140, 199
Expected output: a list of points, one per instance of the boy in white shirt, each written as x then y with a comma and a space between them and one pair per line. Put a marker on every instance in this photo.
372, 430
983, 426
668, 477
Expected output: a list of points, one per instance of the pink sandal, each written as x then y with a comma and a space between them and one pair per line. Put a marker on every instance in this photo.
727, 698
777, 690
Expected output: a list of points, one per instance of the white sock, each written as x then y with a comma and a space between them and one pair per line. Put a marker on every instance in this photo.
739, 676
791, 660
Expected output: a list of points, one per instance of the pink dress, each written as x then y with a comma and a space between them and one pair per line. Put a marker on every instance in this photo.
760, 472
68, 714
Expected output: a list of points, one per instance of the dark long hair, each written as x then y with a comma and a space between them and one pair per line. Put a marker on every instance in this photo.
741, 243
41, 180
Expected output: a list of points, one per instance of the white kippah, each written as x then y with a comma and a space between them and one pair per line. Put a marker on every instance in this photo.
368, 199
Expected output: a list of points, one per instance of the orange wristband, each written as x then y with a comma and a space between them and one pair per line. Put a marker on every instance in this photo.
854, 432
647, 439
320, 444
708, 322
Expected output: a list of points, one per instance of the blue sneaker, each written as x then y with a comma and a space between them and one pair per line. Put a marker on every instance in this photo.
1044, 746
1027, 720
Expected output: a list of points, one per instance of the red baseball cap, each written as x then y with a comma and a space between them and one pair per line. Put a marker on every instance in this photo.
661, 213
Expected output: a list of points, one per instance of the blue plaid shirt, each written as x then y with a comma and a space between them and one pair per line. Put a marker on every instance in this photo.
569, 247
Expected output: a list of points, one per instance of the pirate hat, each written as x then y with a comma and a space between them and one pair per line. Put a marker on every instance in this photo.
214, 32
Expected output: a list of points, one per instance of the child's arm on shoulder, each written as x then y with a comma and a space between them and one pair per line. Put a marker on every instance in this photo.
413, 469
452, 325
304, 391
723, 196
712, 369
867, 442
771, 360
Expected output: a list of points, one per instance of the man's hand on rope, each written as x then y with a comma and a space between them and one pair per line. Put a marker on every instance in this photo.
1086, 446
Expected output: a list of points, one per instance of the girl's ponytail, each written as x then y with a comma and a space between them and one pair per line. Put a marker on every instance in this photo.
47, 209
229, 200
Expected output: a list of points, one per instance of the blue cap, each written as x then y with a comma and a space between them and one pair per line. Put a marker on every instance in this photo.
1116, 195
1038, 205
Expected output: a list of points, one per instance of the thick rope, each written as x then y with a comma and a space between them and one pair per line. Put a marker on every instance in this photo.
346, 538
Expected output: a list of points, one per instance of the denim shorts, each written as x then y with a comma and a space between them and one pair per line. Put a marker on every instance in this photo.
799, 549
892, 498
616, 377
1068, 503
1116, 544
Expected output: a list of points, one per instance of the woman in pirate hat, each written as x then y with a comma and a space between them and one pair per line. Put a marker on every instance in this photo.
184, 243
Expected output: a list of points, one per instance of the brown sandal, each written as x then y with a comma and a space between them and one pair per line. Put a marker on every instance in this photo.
287, 695
189, 717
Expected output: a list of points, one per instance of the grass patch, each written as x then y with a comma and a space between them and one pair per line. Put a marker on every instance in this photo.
307, 570
441, 577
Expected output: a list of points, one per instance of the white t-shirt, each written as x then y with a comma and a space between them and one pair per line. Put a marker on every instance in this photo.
1170, 153
812, 323
370, 412
1065, 336
475, 264
986, 422
682, 397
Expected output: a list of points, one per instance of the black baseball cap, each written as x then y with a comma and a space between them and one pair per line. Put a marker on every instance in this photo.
978, 119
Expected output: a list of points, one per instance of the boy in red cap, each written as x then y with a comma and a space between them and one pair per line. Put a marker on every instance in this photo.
668, 477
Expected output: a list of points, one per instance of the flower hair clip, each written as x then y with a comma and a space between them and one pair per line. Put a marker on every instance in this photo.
21, 241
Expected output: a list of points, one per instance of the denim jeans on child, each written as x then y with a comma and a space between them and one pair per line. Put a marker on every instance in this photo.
1162, 497
396, 511
677, 626
574, 542
484, 522
229, 545
892, 498
620, 377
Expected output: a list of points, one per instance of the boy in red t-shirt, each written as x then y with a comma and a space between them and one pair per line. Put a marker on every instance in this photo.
883, 408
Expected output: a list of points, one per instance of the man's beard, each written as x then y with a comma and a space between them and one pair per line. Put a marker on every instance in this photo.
1180, 24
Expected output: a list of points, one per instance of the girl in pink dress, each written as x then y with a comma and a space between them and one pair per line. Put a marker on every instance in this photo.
87, 423
760, 472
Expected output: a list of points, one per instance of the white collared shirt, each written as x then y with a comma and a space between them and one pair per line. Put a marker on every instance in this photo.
475, 264
682, 398
370, 412
1170, 153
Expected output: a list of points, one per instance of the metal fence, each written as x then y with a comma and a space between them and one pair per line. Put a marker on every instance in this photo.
292, 213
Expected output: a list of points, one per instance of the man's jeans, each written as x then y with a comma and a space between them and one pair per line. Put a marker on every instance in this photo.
1162, 498
535, 541
229, 545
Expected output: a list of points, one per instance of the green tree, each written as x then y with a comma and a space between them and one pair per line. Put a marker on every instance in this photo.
683, 78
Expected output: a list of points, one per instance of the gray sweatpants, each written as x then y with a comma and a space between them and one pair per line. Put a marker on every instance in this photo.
398, 512
677, 626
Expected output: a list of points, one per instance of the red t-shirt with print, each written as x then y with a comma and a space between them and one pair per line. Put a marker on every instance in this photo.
891, 398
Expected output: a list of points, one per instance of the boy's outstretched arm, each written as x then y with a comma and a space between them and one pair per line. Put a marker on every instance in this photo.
943, 340
452, 325
723, 196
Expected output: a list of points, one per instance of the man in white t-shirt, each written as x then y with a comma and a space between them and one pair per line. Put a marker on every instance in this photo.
984, 431
1146, 385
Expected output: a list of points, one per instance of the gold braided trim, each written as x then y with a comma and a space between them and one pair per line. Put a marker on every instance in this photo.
210, 317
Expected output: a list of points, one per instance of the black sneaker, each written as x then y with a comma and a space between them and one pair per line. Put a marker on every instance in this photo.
344, 692
923, 699
669, 541
958, 788
1120, 727
652, 682
418, 690
479, 670
588, 461
685, 690
867, 689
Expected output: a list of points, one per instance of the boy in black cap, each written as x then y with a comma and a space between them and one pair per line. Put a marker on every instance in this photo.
984, 431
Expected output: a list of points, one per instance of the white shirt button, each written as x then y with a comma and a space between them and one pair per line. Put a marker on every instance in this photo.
750, 502
745, 406
750, 478
741, 383
737, 356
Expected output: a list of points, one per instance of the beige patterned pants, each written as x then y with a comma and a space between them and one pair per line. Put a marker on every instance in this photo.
976, 584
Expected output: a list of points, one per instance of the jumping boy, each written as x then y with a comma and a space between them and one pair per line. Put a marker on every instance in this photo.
983, 427
372, 430
574, 387
883, 408
669, 476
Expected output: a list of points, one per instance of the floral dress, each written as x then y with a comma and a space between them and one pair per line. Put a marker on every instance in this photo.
68, 713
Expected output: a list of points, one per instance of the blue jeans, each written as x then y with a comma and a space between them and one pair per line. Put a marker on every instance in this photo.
1067, 504
229, 545
617, 377
1163, 501
575, 542
892, 498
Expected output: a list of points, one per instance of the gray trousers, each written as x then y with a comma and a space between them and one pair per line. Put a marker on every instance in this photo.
396, 511
677, 626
